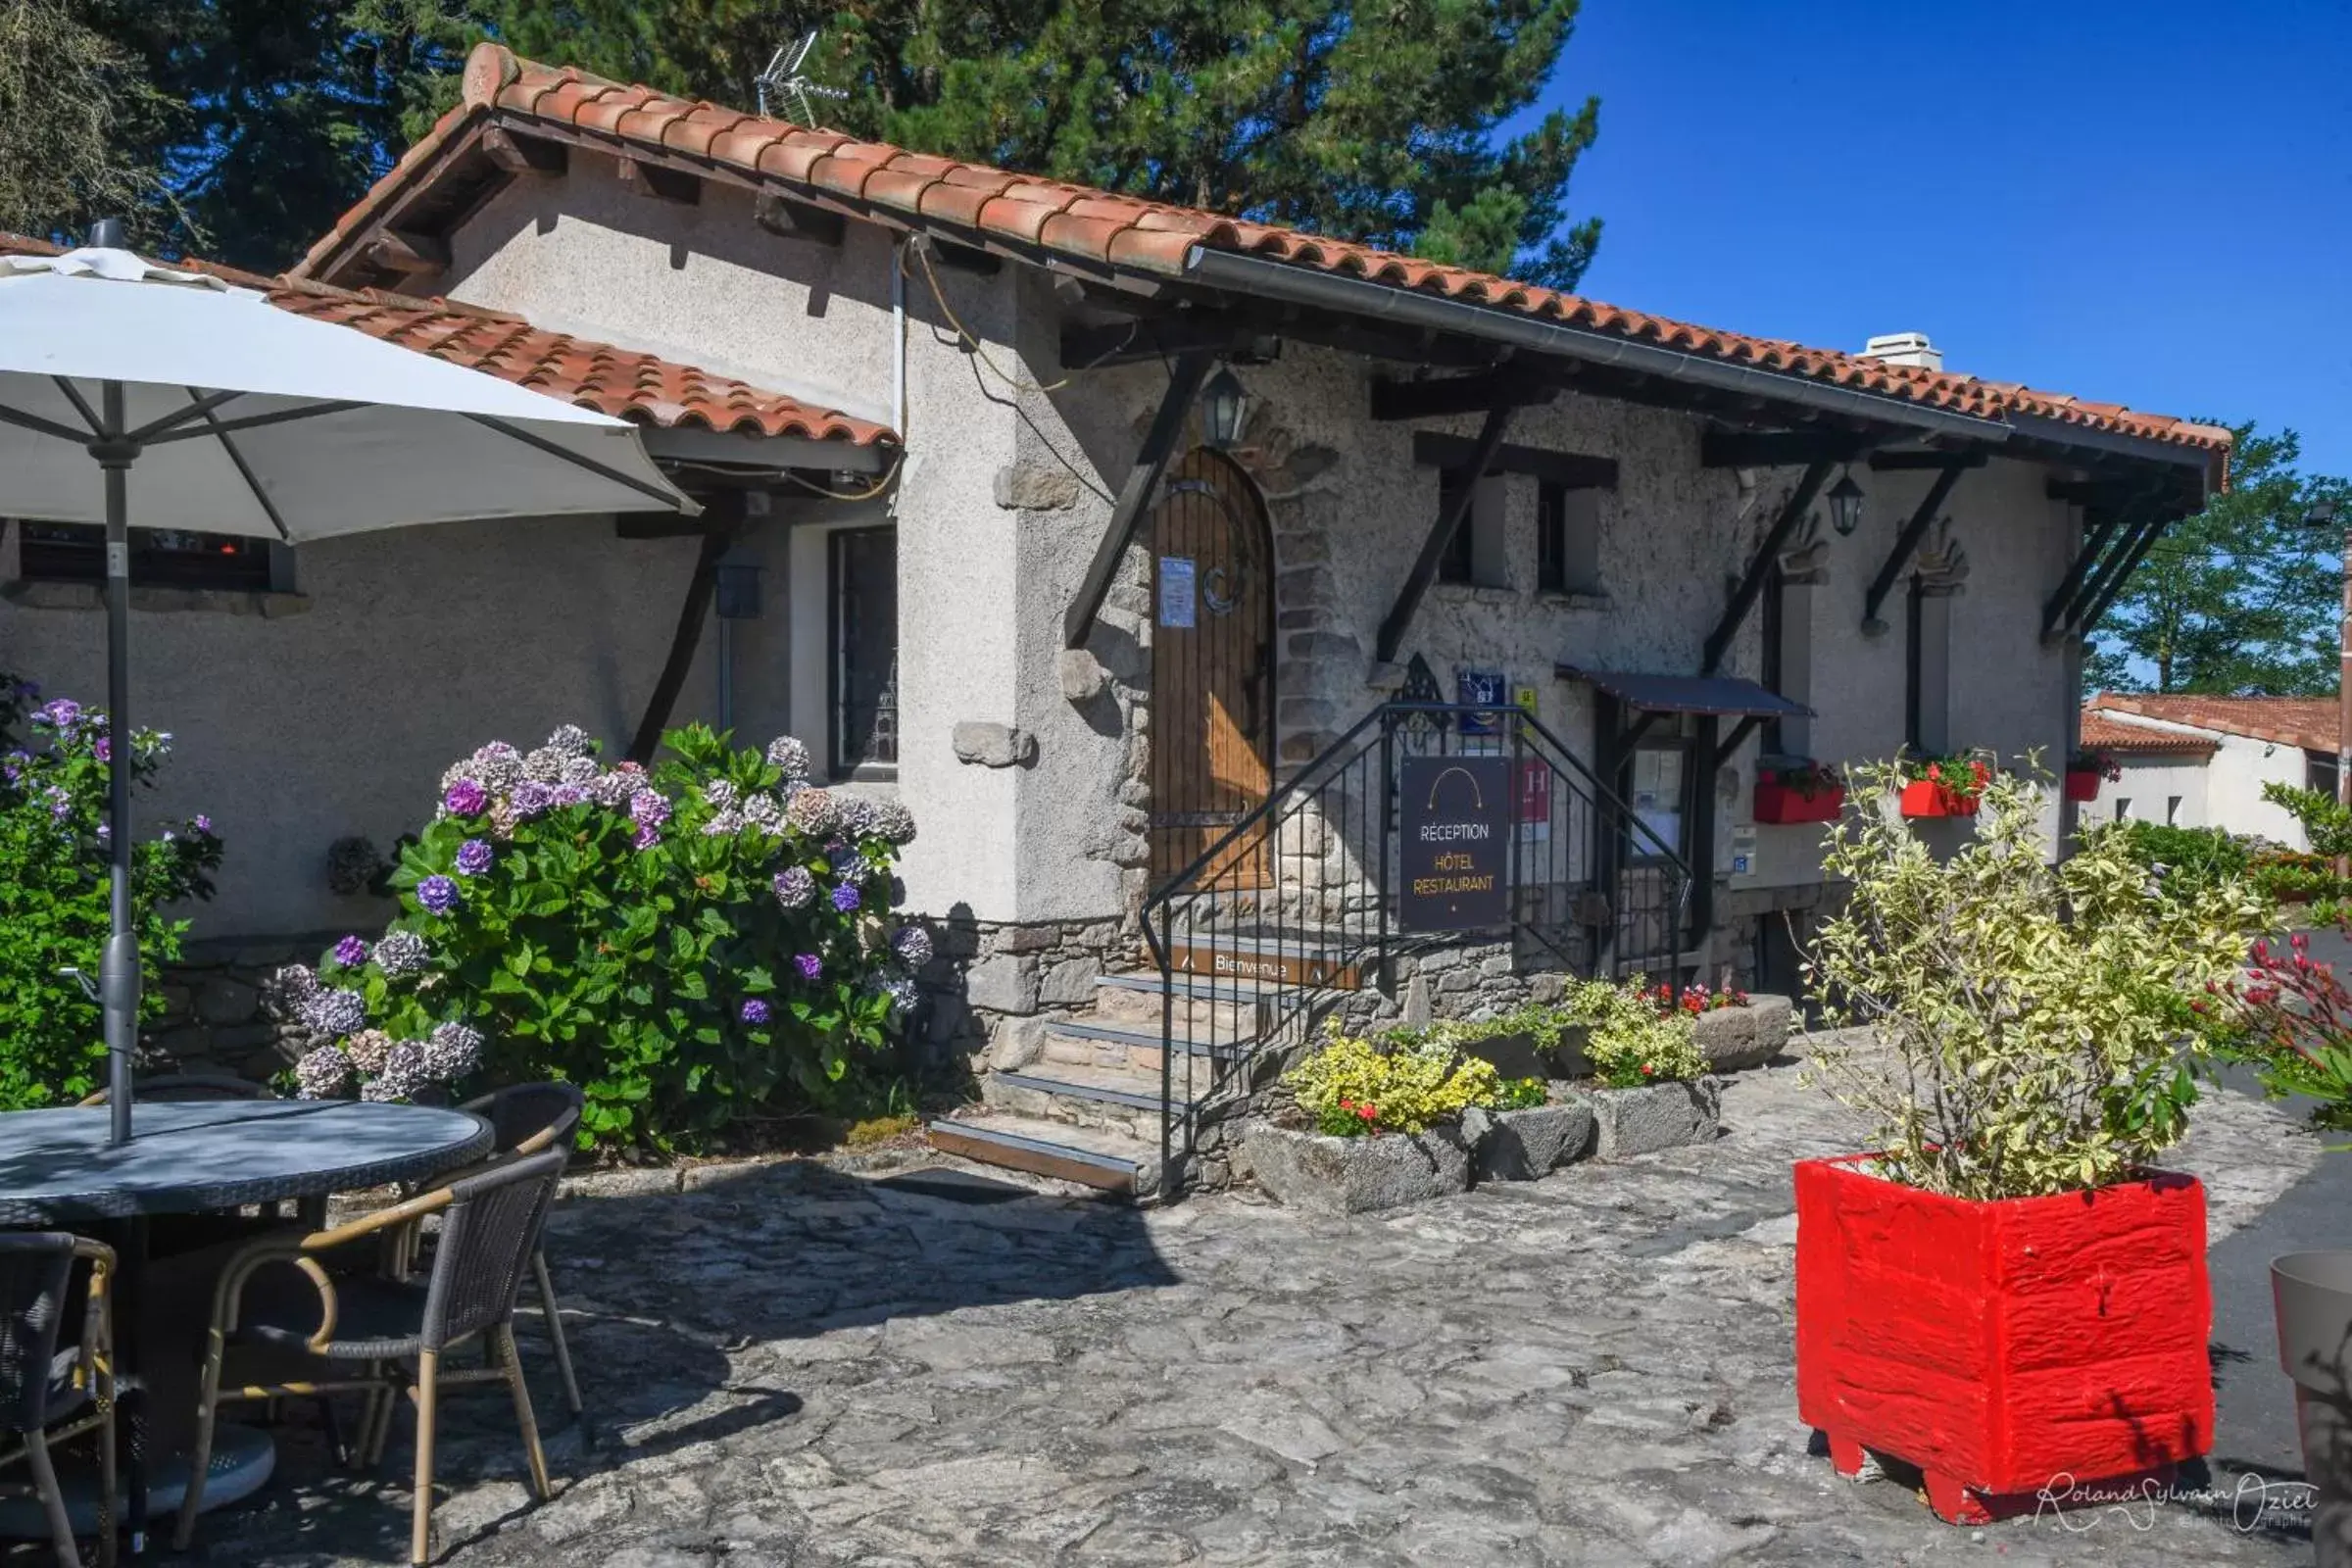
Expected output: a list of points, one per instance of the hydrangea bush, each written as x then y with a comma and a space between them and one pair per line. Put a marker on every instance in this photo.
54, 844
686, 944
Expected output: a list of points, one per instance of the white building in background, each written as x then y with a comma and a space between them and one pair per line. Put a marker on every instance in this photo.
2202, 762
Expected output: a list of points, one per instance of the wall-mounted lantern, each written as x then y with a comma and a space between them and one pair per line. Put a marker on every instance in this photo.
1224, 409
1845, 505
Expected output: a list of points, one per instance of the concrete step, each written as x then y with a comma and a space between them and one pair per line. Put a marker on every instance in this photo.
1122, 1098
1113, 1161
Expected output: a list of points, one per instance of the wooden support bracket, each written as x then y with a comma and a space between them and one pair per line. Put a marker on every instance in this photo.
787, 219
1759, 570
1127, 514
642, 178
523, 155
1433, 549
1922, 518
406, 252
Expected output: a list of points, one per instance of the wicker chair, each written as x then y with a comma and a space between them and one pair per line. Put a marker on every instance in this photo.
48, 1394
525, 1119
490, 1224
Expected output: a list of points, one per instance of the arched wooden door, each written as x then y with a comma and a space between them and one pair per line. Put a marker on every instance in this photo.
1212, 668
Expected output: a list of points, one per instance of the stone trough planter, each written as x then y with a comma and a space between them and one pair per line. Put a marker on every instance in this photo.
1655, 1116
1323, 1175
1734, 1038
1525, 1146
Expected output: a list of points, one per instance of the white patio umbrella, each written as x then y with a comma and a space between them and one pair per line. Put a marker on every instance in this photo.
134, 393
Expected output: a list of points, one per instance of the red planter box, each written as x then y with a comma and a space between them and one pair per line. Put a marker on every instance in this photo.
1781, 806
2003, 1348
2082, 784
1927, 797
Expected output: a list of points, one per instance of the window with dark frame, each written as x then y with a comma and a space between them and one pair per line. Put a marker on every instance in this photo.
1458, 563
1774, 610
1552, 537
864, 637
168, 558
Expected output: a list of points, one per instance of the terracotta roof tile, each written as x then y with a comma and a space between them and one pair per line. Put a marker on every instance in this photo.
2104, 734
913, 187
2309, 722
621, 382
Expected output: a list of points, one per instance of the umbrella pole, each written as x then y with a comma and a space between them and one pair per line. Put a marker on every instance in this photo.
119, 965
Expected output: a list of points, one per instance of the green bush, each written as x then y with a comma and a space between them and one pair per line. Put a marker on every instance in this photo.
2191, 860
2031, 1024
2325, 823
1638, 1036
1354, 1088
54, 909
687, 945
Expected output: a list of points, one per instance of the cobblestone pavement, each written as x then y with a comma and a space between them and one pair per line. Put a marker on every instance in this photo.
801, 1367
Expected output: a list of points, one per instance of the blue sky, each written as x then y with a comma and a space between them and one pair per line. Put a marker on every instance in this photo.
2145, 203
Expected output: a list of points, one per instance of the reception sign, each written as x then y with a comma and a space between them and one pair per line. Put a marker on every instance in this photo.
1455, 827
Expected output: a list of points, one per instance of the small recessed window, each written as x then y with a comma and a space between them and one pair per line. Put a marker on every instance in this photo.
1567, 539
169, 557
865, 615
2172, 810
2123, 808
1474, 553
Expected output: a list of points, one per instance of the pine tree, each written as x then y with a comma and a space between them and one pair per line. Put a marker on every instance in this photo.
75, 108
1368, 122
2242, 599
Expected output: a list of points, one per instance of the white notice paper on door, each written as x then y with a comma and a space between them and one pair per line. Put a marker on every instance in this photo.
1176, 579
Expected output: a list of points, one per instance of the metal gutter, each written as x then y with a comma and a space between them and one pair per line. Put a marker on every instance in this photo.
1298, 285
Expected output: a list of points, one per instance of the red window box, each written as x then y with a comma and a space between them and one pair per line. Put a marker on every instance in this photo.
2082, 784
1928, 797
2003, 1346
1783, 805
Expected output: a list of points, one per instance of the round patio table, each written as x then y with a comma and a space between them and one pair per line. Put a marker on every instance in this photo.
57, 1170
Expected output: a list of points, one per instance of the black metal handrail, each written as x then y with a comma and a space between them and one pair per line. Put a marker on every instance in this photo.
1309, 870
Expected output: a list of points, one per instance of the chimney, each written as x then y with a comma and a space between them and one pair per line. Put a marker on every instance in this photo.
1905, 348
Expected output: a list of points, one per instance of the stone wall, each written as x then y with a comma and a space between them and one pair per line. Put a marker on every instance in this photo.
216, 1013
991, 978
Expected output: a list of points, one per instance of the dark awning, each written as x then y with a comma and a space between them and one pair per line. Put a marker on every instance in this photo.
1726, 695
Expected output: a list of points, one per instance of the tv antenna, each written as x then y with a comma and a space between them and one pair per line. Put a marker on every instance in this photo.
784, 79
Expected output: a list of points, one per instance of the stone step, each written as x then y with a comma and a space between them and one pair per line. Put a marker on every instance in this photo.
1221, 1009
1134, 1047
1108, 1161
1123, 1099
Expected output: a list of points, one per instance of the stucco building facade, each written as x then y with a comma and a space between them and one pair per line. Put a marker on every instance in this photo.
1437, 483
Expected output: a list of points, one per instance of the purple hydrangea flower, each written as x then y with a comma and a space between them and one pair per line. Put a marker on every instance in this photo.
845, 898
649, 808
720, 793
795, 887
788, 756
475, 856
14, 765
321, 1074
402, 953
204, 823
62, 714
764, 812
334, 1013
531, 796
723, 824
612, 790
647, 835
401, 1076
106, 832
292, 986
570, 795
466, 798
368, 1049
580, 770
912, 944
809, 965
894, 822
454, 1051
438, 894
755, 1011
103, 751
61, 805
904, 993
853, 815
351, 953
811, 811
